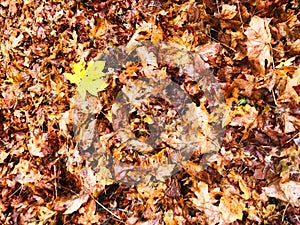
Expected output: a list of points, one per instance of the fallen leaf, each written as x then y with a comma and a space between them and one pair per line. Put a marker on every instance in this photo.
290, 92
3, 156
231, 208
79, 72
243, 116
287, 191
228, 11
150, 222
292, 192
258, 44
74, 205
204, 203
89, 80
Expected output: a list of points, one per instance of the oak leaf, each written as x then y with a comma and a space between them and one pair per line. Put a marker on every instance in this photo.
205, 203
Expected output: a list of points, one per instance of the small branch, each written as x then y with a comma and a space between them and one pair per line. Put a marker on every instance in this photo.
106, 209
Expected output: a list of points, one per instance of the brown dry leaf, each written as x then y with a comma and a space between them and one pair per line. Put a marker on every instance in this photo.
231, 207
210, 53
243, 116
143, 32
228, 11
173, 190
157, 34
3, 156
45, 214
36, 145
292, 192
290, 123
295, 46
186, 13
151, 193
246, 86
258, 44
70, 205
75, 204
26, 173
88, 213
99, 28
290, 92
147, 58
288, 191
150, 222
16, 40
171, 219
253, 214
204, 203
242, 184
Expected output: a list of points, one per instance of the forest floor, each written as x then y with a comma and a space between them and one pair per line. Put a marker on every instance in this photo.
149, 112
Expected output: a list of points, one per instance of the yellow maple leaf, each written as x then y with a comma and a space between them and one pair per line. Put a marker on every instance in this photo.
89, 80
79, 72
94, 70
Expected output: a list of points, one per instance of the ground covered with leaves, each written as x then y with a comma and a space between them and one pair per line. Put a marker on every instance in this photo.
252, 49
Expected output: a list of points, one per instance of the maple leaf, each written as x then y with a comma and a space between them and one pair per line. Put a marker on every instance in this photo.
258, 44
290, 92
89, 80
288, 191
44, 213
79, 72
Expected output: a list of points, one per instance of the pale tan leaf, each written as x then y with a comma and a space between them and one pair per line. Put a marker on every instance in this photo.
258, 44
228, 11
204, 203
150, 222
3, 156
292, 192
74, 205
274, 191
290, 92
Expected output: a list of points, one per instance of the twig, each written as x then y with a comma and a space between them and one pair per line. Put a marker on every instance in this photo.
55, 182
106, 209
273, 94
117, 209
21, 187
292, 138
238, 6
232, 49
284, 212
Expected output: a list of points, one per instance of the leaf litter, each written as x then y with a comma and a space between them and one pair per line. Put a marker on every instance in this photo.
253, 51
